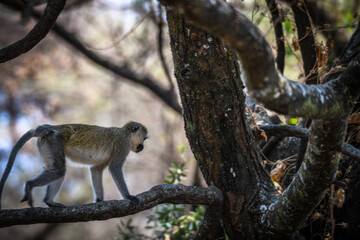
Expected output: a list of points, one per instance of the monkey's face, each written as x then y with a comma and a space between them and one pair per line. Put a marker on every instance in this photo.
137, 139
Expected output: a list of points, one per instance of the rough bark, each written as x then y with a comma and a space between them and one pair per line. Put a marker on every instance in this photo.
277, 93
211, 92
315, 175
213, 108
330, 104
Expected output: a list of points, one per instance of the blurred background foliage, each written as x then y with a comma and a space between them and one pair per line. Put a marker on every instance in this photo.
54, 83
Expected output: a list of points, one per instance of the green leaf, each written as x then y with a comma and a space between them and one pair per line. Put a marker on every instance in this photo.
293, 121
167, 181
287, 25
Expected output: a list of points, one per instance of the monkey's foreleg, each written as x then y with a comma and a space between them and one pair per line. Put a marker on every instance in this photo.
118, 177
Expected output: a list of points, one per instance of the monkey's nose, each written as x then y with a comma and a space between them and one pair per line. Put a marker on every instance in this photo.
139, 148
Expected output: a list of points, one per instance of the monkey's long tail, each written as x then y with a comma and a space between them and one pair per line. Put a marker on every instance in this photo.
26, 137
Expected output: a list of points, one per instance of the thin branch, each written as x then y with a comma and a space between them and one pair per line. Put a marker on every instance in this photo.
351, 151
160, 49
348, 54
166, 95
303, 133
323, 18
279, 34
301, 153
164, 193
39, 31
285, 131
306, 39
351, 48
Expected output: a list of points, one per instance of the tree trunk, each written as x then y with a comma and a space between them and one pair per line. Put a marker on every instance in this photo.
212, 97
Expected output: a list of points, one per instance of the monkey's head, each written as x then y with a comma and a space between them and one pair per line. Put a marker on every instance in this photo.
138, 134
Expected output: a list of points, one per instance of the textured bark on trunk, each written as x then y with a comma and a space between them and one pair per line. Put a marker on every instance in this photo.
213, 109
211, 93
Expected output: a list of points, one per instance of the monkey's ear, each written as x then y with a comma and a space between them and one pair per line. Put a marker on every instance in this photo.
135, 128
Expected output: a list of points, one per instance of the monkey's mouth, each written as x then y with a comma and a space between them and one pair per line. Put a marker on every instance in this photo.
139, 148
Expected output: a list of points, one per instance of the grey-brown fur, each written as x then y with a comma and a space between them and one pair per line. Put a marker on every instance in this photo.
92, 145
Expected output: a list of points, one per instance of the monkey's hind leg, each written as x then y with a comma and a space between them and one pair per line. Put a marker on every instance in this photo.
51, 191
46, 177
51, 148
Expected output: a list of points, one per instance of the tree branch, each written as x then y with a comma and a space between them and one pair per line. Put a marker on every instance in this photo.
351, 151
303, 133
290, 211
306, 39
160, 24
168, 96
279, 34
284, 131
277, 93
320, 17
164, 193
40, 30
332, 102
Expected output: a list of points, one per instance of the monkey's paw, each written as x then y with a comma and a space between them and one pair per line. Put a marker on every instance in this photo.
28, 199
134, 200
54, 204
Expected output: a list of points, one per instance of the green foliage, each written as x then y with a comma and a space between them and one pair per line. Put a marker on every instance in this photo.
129, 232
169, 221
293, 121
176, 172
349, 21
287, 26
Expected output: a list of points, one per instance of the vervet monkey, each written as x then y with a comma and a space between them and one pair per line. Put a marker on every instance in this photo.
87, 144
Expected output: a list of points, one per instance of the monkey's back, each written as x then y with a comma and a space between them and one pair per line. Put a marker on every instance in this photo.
91, 144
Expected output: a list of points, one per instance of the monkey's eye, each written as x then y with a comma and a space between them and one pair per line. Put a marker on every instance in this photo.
135, 128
